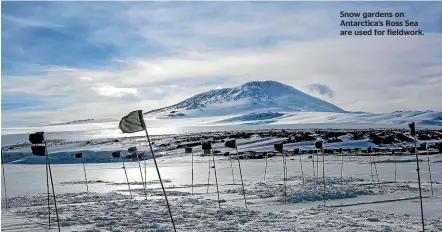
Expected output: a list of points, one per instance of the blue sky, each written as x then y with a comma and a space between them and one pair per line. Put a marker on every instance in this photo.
63, 61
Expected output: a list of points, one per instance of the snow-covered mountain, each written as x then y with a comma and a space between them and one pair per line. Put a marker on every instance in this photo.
80, 121
263, 103
254, 95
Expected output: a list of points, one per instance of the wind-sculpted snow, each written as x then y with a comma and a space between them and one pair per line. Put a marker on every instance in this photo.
66, 198
351, 206
312, 189
198, 214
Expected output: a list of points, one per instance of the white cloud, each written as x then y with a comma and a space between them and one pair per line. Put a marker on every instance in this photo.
241, 42
114, 92
85, 78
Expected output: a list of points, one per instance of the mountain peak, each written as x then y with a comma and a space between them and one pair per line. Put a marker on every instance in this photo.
253, 95
262, 83
265, 84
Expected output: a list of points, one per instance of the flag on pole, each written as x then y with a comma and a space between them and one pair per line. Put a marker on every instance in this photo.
318, 144
36, 138
230, 144
412, 129
78, 155
206, 145
278, 147
423, 146
133, 122
188, 150
116, 154
38, 147
132, 149
38, 150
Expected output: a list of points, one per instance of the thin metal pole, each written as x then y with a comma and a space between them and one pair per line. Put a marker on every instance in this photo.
145, 172
159, 176
419, 181
231, 167
429, 170
192, 171
52, 183
285, 184
127, 179
302, 171
376, 169
313, 163
265, 170
141, 174
242, 182
286, 174
342, 169
208, 177
317, 166
323, 171
286, 167
395, 170
216, 179
371, 168
4, 183
47, 188
84, 170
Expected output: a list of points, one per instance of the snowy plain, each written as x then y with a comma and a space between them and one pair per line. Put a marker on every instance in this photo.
355, 203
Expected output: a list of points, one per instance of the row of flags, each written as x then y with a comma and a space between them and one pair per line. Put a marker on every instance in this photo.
134, 122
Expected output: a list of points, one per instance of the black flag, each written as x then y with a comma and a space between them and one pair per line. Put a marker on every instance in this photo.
206, 145
78, 155
369, 149
230, 143
318, 144
39, 150
279, 147
188, 150
132, 149
36, 138
412, 129
133, 122
38, 147
423, 146
116, 154
296, 151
